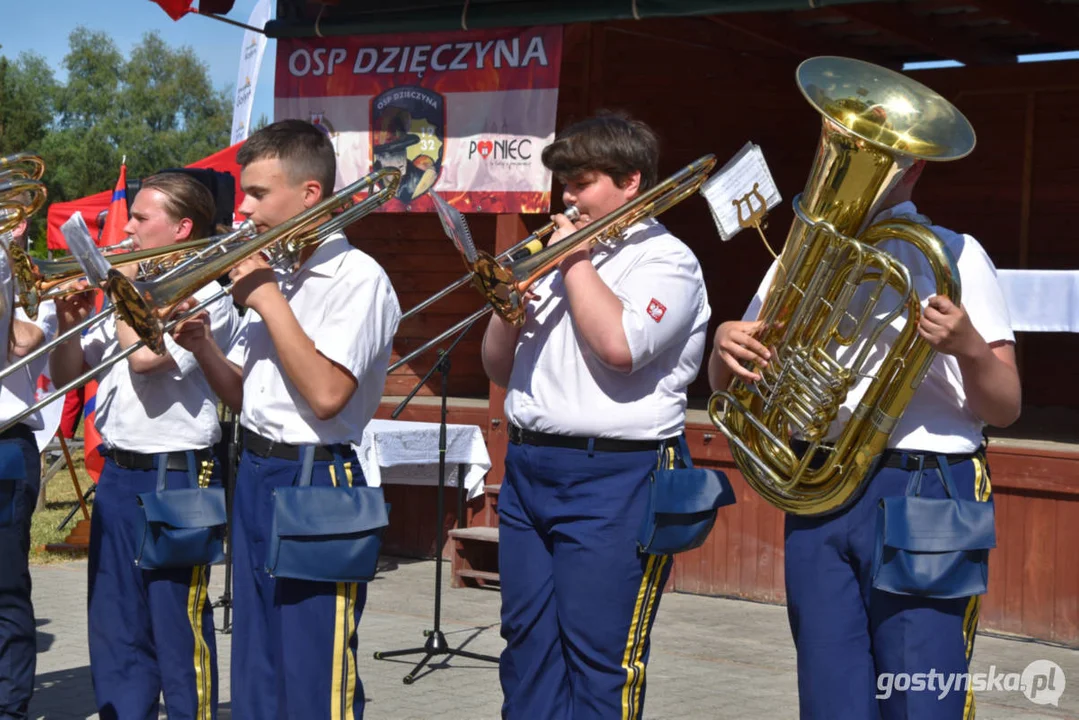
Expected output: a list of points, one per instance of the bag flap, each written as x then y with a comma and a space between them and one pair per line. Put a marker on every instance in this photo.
932, 525
328, 510
185, 507
690, 490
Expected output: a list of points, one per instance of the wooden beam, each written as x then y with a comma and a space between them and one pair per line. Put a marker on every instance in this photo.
1051, 22
925, 32
775, 30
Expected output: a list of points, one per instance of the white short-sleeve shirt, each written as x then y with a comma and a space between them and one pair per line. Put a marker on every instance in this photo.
938, 418
20, 388
345, 303
165, 411
558, 386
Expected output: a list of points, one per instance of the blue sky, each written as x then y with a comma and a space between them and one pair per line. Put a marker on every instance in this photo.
43, 27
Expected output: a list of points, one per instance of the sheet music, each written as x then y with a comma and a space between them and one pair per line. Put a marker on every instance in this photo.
733, 182
82, 248
453, 222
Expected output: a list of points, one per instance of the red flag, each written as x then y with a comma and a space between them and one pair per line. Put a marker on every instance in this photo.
91, 439
116, 218
175, 8
113, 233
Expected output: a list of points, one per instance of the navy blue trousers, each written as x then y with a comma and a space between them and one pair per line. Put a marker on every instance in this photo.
578, 599
18, 635
293, 642
850, 637
150, 631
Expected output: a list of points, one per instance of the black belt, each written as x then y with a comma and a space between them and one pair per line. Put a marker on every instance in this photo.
148, 461
902, 459
19, 431
909, 460
519, 436
264, 447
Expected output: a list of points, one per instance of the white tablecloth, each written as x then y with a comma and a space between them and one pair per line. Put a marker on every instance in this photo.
403, 452
1042, 300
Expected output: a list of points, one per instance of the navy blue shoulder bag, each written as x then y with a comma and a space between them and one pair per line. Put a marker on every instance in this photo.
330, 534
682, 506
184, 527
929, 547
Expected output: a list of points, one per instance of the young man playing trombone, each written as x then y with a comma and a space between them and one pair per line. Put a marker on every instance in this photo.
852, 638
149, 630
307, 371
596, 395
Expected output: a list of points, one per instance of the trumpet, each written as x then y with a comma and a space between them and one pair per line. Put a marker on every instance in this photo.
148, 307
37, 281
72, 271
504, 286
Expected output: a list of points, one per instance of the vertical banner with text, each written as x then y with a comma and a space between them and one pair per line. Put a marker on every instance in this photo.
251, 51
466, 113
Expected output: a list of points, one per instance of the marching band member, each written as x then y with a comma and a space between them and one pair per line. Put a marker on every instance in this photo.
596, 391
848, 634
18, 635
308, 370
149, 630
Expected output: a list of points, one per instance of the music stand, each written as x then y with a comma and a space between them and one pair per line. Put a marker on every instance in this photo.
436, 641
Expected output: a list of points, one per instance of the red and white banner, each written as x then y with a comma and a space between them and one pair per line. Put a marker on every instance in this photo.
466, 113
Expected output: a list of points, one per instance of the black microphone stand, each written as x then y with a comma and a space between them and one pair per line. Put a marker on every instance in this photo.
436, 641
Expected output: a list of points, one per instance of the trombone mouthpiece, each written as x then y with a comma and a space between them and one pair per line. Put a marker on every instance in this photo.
572, 213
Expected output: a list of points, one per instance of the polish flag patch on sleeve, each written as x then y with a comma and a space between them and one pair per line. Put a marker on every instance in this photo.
656, 310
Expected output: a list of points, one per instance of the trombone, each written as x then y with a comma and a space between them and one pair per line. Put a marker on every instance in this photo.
504, 286
135, 300
539, 236
146, 305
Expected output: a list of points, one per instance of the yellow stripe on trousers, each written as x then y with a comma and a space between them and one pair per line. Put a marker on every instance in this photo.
633, 659
343, 685
196, 600
983, 490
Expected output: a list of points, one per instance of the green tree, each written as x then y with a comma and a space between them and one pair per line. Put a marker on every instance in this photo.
27, 96
157, 107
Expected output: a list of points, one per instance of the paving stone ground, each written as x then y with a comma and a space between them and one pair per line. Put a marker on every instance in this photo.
711, 657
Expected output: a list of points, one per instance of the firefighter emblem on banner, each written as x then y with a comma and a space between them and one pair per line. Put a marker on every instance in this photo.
408, 132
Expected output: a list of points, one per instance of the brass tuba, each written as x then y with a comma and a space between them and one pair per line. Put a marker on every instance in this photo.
826, 309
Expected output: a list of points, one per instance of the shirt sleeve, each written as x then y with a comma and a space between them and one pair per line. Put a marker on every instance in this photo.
95, 340
663, 300
360, 320
236, 347
47, 320
754, 310
982, 297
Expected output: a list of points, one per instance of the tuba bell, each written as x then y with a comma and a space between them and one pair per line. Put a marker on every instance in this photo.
826, 307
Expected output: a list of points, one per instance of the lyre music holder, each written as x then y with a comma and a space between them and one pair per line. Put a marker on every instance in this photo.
755, 217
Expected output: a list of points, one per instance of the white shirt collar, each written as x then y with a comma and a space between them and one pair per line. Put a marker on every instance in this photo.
327, 257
